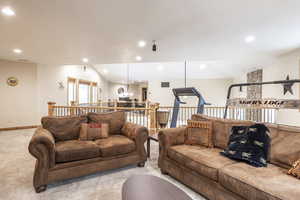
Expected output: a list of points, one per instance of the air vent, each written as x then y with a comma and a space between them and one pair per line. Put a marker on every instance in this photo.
165, 84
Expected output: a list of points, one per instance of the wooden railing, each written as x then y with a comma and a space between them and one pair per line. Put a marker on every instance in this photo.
154, 116
116, 103
263, 115
142, 116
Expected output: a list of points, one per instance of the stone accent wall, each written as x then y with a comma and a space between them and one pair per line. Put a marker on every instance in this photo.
254, 92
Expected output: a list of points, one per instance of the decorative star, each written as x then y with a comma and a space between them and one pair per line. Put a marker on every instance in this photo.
287, 87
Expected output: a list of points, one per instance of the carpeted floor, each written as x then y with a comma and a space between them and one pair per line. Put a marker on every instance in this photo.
16, 171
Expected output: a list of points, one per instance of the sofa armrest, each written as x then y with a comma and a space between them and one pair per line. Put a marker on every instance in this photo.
167, 138
42, 147
139, 134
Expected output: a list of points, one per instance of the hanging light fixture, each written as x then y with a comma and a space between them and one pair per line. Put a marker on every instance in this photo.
126, 93
154, 46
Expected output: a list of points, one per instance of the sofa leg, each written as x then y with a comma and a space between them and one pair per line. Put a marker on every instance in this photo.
163, 172
41, 188
141, 164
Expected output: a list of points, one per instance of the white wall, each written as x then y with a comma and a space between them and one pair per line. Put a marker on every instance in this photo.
50, 75
213, 90
287, 64
18, 105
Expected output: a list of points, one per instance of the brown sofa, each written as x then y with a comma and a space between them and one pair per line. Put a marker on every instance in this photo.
220, 178
61, 155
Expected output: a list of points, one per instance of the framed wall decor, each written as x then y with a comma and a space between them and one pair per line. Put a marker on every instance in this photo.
12, 81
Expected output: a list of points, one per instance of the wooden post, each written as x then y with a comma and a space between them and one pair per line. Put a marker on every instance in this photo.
115, 104
99, 103
51, 108
153, 118
147, 105
73, 110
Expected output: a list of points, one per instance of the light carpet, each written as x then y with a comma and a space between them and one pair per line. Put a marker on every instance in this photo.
17, 165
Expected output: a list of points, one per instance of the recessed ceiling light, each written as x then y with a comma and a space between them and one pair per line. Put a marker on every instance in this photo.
250, 39
17, 51
142, 43
85, 60
138, 58
203, 66
160, 67
8, 11
105, 71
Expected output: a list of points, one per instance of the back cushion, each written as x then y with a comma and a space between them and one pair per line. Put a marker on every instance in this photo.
200, 117
116, 120
64, 128
222, 128
273, 133
285, 146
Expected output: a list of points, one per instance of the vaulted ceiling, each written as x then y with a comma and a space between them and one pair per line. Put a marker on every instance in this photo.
107, 32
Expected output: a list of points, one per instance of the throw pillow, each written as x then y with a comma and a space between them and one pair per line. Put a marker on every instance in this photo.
93, 131
295, 170
199, 133
249, 144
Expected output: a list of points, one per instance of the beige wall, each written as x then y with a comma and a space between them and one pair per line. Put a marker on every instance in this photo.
213, 90
26, 103
49, 76
18, 105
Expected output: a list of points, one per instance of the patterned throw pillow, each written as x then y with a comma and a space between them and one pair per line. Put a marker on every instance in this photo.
93, 131
295, 170
249, 144
199, 133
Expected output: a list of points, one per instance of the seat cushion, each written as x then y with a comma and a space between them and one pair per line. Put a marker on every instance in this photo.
259, 183
115, 145
64, 128
73, 150
116, 120
205, 161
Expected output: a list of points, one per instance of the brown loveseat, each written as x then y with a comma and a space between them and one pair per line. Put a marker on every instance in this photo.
60, 155
220, 178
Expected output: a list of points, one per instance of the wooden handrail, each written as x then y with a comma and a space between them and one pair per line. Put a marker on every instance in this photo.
102, 107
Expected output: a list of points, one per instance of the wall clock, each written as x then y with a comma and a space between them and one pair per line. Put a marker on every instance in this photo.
12, 81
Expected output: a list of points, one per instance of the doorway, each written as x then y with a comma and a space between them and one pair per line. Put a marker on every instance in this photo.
144, 94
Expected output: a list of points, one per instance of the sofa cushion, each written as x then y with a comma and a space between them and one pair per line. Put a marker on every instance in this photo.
259, 183
73, 150
64, 128
222, 128
93, 131
285, 146
199, 133
116, 120
115, 145
205, 161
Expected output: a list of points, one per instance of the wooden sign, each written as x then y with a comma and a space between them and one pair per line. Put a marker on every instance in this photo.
264, 103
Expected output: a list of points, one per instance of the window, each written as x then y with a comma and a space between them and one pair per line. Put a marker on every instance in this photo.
71, 90
84, 92
87, 91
